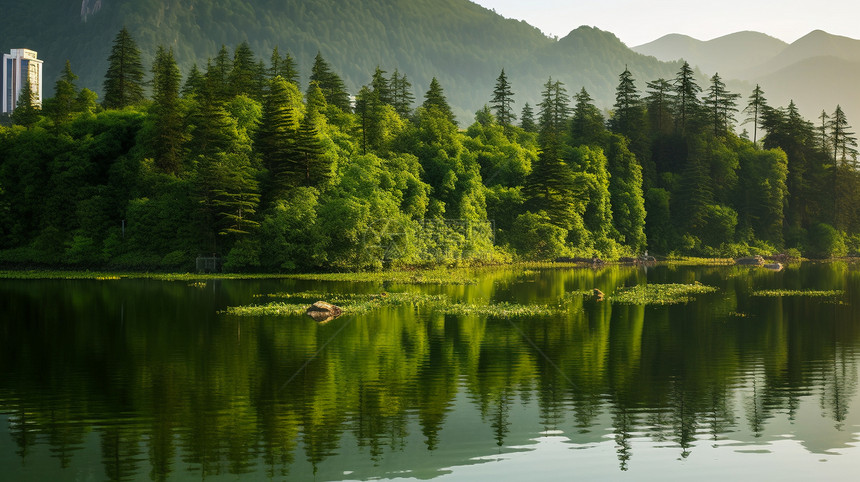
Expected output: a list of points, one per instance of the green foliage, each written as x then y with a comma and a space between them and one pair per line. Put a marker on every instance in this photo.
660, 294
123, 84
825, 242
535, 237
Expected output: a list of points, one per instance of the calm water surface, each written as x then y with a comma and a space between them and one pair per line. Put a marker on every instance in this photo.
140, 379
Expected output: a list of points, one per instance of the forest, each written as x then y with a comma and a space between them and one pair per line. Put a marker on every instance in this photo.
235, 160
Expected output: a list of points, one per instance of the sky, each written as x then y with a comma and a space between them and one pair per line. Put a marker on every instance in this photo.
637, 22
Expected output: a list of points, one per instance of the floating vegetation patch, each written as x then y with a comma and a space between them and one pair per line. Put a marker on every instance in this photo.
660, 294
806, 293
578, 294
198, 284
356, 304
422, 277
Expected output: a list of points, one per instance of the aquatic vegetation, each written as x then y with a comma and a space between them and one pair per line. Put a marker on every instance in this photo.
660, 294
807, 293
356, 304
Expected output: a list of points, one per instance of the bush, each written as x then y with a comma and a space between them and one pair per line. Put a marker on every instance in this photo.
825, 242
535, 238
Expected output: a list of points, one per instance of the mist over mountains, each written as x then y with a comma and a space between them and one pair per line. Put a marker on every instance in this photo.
817, 71
463, 44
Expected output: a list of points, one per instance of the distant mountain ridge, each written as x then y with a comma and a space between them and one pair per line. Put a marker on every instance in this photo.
817, 71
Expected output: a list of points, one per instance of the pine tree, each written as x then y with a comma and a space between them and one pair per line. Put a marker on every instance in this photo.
628, 108
212, 128
401, 93
843, 141
434, 99
276, 137
26, 113
527, 119
169, 124
65, 96
659, 103
553, 115
381, 86
502, 102
330, 83
721, 105
285, 67
242, 79
315, 167
755, 109
587, 126
194, 82
218, 72
123, 84
686, 100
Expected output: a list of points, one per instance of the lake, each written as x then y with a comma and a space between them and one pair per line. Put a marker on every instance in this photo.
136, 379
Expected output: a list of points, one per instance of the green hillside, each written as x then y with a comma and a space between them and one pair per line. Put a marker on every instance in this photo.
461, 43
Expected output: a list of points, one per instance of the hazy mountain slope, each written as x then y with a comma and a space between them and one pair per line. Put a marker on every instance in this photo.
814, 44
730, 55
815, 84
463, 44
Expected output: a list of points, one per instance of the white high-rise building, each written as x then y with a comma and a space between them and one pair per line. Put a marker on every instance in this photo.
17, 64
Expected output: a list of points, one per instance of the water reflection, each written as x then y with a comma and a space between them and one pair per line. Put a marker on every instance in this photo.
144, 379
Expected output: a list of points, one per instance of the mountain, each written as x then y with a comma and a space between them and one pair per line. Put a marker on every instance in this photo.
815, 44
463, 44
730, 55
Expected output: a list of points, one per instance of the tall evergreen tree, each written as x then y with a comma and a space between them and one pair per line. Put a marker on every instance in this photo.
755, 109
169, 122
503, 99
284, 66
194, 82
587, 125
628, 118
401, 94
123, 84
823, 138
218, 72
315, 168
434, 99
527, 119
686, 99
26, 113
844, 142
626, 195
65, 96
659, 103
276, 137
721, 105
382, 86
242, 79
330, 83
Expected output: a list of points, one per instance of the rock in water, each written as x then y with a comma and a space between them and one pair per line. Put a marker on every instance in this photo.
324, 312
598, 295
774, 266
750, 261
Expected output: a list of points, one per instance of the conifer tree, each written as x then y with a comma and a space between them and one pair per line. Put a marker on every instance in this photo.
587, 126
527, 119
242, 79
65, 96
315, 169
686, 100
276, 137
434, 99
193, 83
212, 128
721, 105
627, 117
381, 86
823, 138
401, 93
755, 109
659, 103
843, 141
503, 99
284, 66
26, 113
627, 197
330, 83
169, 122
218, 72
123, 84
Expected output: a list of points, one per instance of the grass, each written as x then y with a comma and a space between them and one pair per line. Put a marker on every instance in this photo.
356, 304
659, 294
808, 293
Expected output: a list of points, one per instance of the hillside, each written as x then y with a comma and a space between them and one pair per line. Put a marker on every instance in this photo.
814, 44
730, 55
463, 44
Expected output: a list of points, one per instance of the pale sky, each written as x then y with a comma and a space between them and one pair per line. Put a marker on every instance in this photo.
637, 22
